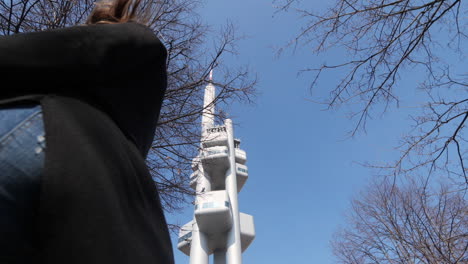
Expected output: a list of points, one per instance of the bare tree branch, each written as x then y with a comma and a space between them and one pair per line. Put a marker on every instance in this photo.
408, 224
384, 39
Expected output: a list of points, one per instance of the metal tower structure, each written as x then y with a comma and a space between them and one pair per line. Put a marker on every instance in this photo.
219, 173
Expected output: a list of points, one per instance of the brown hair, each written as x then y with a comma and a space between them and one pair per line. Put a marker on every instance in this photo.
117, 11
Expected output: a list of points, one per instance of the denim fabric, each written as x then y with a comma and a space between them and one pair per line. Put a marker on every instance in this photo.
22, 145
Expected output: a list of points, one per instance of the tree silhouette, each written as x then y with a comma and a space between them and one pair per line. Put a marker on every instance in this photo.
385, 40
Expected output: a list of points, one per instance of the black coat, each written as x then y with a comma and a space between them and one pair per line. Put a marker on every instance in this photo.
101, 89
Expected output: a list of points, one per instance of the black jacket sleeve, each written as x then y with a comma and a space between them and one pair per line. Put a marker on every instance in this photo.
117, 68
58, 60
49, 55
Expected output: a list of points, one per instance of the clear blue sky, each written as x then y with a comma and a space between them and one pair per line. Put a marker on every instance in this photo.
302, 169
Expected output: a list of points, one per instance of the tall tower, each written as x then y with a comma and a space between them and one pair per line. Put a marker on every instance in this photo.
219, 173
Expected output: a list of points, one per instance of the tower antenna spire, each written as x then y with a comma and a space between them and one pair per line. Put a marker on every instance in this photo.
208, 120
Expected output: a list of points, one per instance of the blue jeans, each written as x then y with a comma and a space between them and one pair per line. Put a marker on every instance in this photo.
22, 155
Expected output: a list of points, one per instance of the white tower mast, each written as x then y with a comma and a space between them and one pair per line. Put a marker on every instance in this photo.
218, 228
208, 105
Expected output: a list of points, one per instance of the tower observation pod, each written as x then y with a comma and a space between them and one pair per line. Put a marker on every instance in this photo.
218, 229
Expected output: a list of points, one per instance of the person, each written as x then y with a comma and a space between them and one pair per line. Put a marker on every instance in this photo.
78, 112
